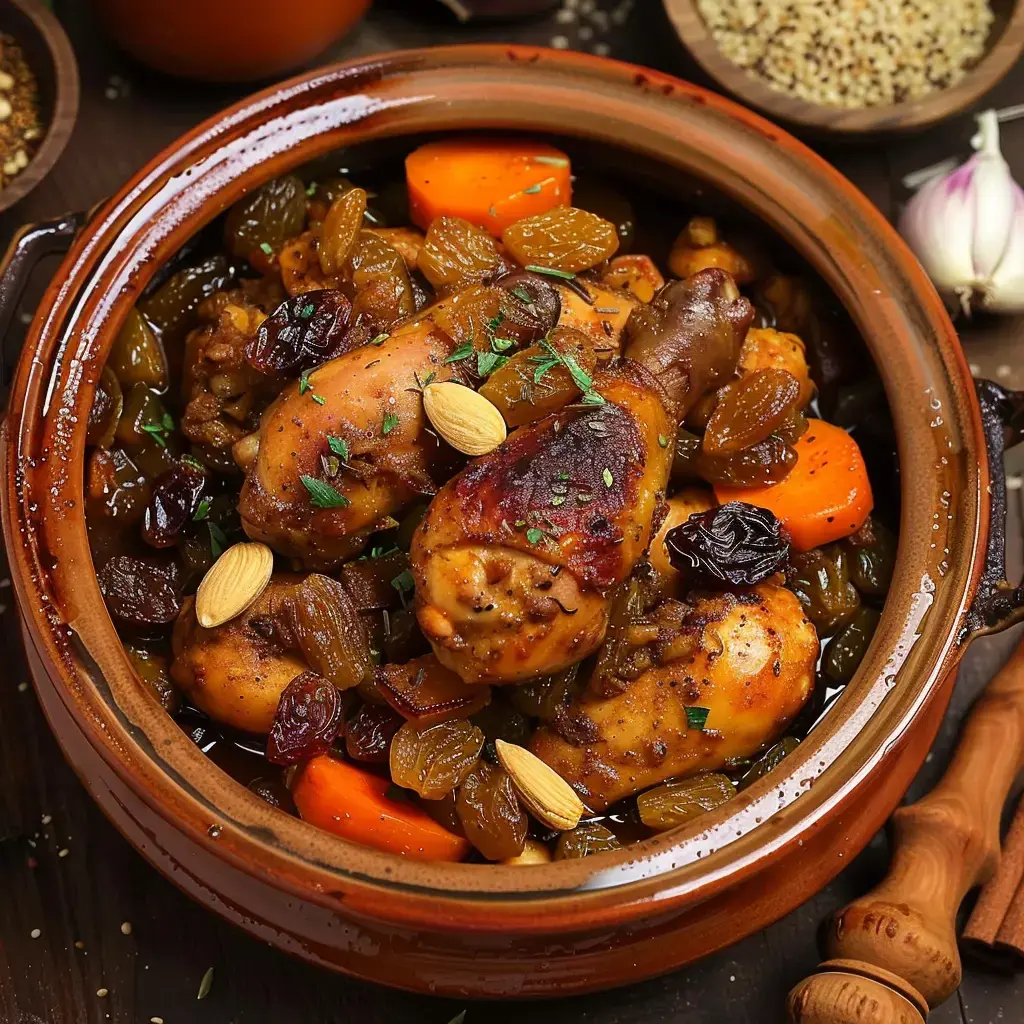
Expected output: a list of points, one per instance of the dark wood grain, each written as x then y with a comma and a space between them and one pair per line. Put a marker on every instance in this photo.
128, 114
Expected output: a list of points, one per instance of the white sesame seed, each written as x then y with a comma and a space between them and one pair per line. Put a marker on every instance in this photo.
126, 927
102, 992
22, 687
46, 819
35, 933
63, 853
156, 1020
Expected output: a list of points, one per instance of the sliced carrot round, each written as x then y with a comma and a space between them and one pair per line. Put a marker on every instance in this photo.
825, 497
353, 803
490, 181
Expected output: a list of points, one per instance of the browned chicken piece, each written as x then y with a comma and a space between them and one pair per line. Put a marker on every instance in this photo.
236, 672
682, 505
635, 273
369, 400
517, 555
768, 349
752, 670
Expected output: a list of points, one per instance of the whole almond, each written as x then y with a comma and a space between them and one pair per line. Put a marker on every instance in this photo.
465, 419
534, 852
548, 796
233, 582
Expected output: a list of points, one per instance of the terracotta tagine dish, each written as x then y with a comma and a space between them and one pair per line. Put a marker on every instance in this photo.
289, 601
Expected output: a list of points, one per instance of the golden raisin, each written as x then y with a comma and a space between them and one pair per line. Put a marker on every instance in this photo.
457, 253
490, 813
340, 230
563, 238
751, 409
432, 760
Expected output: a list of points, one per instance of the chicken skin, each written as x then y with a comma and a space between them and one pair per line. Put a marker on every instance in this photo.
752, 668
517, 555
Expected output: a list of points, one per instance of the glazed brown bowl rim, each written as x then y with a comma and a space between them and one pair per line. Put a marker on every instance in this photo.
612, 886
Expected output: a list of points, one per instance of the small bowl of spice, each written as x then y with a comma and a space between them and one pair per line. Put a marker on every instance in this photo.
853, 65
38, 95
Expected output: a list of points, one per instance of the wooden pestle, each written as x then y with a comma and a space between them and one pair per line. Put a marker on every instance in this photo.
894, 952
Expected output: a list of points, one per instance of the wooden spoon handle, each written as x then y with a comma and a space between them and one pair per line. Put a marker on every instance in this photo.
942, 846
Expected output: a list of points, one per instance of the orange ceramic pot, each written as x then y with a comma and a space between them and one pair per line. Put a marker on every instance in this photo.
228, 40
483, 930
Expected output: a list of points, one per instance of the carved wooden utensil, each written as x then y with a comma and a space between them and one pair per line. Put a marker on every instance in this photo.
893, 953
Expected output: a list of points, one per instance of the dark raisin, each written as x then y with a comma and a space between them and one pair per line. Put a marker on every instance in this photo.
307, 719
539, 305
820, 578
369, 733
141, 591
304, 331
266, 219
845, 653
175, 497
733, 545
767, 462
872, 551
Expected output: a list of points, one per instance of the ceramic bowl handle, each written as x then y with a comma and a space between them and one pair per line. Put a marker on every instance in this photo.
27, 248
997, 604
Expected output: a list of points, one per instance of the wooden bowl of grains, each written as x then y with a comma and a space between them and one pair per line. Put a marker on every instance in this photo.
853, 66
38, 95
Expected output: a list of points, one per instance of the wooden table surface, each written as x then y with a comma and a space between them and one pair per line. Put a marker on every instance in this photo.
81, 913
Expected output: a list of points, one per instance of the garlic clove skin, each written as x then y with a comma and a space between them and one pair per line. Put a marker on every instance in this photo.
992, 189
1004, 292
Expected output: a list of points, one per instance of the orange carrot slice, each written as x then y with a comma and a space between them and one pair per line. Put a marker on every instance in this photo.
827, 494
490, 181
354, 804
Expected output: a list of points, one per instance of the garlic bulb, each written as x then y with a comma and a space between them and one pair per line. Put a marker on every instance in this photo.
967, 228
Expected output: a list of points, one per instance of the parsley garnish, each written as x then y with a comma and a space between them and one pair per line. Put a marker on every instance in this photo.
565, 275
522, 294
495, 322
267, 248
389, 424
606, 476
558, 499
191, 460
304, 384
551, 161
580, 377
663, 440
462, 352
202, 511
319, 399
380, 338
307, 310
532, 190
425, 383
696, 717
323, 495
501, 344
218, 538
593, 398
339, 446
311, 188
488, 362
404, 582
159, 431
535, 535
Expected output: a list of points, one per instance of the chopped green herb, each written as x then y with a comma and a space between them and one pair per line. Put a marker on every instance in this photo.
339, 446
191, 460
307, 310
558, 499
551, 161
532, 190
389, 424
563, 475
380, 338
520, 523
459, 1018
206, 984
319, 399
593, 398
495, 322
267, 248
501, 344
488, 362
580, 377
404, 582
535, 535
662, 440
311, 188
304, 384
323, 495
218, 538
462, 352
606, 476
202, 511
605, 309
565, 275
380, 550
696, 717
522, 294
159, 431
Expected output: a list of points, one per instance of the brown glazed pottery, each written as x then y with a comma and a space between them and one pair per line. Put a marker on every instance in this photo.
491, 930
228, 40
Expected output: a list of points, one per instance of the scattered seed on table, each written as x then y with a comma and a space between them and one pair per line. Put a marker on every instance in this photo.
102, 992
35, 933
126, 927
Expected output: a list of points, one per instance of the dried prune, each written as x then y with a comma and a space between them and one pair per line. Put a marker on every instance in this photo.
490, 813
848, 646
152, 669
750, 409
274, 213
303, 332
682, 800
732, 545
370, 731
137, 357
539, 305
872, 551
105, 411
564, 238
769, 760
432, 760
307, 720
424, 691
457, 253
141, 591
330, 633
820, 578
172, 503
585, 840
767, 462
340, 229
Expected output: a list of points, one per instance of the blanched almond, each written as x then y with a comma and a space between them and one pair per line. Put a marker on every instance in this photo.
534, 852
465, 419
233, 582
548, 796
